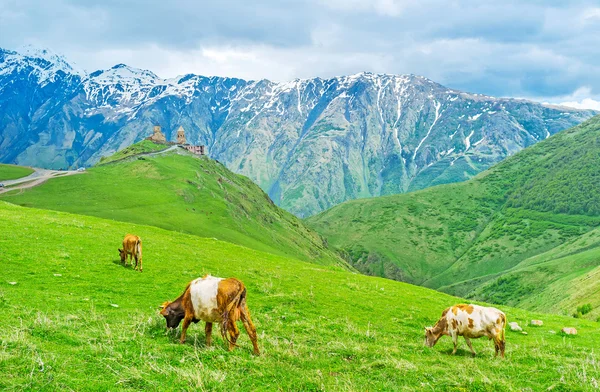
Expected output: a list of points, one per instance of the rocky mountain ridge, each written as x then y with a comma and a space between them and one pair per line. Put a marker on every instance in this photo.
309, 143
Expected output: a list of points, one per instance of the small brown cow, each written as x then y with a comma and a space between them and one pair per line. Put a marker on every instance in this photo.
469, 321
132, 247
211, 299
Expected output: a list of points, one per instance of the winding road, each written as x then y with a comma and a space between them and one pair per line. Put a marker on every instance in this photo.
39, 176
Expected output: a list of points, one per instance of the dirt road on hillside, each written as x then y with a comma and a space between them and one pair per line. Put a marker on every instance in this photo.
39, 176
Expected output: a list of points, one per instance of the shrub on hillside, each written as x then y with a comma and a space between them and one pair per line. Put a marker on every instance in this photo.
584, 309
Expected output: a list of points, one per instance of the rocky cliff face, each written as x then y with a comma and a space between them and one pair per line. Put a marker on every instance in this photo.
310, 144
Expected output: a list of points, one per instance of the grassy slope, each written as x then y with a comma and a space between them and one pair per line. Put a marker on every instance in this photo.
181, 192
559, 280
12, 172
145, 146
320, 328
545, 196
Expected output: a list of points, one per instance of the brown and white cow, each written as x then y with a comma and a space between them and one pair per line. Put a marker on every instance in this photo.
132, 246
211, 299
469, 321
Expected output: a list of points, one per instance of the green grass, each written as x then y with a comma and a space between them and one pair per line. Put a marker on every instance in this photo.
563, 280
319, 327
12, 172
181, 192
145, 146
460, 237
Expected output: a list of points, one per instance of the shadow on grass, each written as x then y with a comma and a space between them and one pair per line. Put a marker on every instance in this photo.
462, 353
126, 266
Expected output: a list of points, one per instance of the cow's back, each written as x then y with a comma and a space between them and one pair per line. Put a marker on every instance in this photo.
203, 294
475, 320
130, 241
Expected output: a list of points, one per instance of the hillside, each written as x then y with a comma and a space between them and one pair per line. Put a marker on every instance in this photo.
308, 143
143, 147
179, 191
560, 280
78, 320
458, 237
12, 172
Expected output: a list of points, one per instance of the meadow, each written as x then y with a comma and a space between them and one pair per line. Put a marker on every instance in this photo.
75, 319
12, 172
182, 192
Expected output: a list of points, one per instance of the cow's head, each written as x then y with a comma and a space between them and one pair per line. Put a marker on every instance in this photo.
122, 254
172, 313
431, 337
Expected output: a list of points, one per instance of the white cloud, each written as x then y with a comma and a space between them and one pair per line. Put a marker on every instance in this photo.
590, 14
381, 7
582, 98
586, 103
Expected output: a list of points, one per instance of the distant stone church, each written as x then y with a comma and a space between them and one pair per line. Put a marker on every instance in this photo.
181, 136
159, 137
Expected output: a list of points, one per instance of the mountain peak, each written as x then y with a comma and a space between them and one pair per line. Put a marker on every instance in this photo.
124, 73
44, 64
56, 62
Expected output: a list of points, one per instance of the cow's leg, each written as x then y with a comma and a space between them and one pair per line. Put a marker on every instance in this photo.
469, 344
208, 332
234, 333
250, 328
454, 335
140, 264
500, 346
186, 323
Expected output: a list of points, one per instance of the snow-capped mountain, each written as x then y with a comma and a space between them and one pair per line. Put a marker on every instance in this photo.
309, 143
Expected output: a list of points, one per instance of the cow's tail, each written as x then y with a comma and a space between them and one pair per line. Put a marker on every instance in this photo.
138, 247
501, 344
232, 307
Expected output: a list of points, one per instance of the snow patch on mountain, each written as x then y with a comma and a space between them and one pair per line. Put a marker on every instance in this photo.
468, 140
437, 117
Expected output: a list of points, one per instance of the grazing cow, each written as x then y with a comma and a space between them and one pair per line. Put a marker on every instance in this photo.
469, 321
211, 299
132, 246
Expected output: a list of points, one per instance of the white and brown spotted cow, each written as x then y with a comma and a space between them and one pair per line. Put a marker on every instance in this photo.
211, 299
469, 321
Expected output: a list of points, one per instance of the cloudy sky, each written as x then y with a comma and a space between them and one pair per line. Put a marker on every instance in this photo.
544, 50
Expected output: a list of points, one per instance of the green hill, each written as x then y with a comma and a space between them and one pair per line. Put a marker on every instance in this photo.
461, 237
12, 172
560, 280
145, 146
179, 191
74, 319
